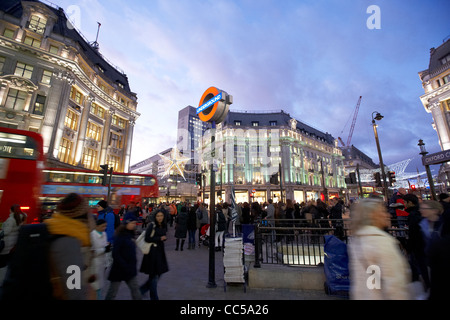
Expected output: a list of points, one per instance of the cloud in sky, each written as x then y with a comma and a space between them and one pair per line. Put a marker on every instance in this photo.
313, 59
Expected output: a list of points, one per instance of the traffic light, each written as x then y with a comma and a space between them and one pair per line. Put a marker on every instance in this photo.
274, 178
104, 171
377, 178
352, 178
198, 179
391, 177
413, 187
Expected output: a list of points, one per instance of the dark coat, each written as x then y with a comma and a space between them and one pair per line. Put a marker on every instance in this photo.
155, 262
181, 227
124, 266
221, 220
192, 219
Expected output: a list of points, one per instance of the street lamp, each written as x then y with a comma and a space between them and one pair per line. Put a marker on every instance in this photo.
325, 190
423, 153
378, 117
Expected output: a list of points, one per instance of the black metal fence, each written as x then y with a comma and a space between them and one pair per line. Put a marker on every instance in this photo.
301, 241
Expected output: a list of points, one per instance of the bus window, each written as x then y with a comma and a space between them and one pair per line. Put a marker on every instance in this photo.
17, 146
148, 181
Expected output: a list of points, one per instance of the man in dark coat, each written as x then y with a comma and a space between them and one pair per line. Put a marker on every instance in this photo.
124, 266
181, 227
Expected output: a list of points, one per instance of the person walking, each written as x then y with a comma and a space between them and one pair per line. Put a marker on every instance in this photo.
378, 269
105, 212
10, 230
192, 224
181, 228
72, 224
221, 225
100, 246
203, 218
155, 262
124, 266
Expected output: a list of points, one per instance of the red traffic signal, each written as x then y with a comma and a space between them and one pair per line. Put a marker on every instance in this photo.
413, 187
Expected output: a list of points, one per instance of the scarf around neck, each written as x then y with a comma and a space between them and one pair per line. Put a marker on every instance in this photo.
62, 225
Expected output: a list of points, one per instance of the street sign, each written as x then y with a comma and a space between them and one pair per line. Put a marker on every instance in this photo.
436, 158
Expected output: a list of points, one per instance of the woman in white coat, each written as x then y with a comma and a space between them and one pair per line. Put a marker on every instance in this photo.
378, 269
100, 246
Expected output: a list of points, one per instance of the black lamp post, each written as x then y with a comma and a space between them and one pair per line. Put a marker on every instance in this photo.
378, 117
423, 153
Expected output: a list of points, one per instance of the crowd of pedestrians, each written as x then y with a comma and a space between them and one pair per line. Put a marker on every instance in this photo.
103, 243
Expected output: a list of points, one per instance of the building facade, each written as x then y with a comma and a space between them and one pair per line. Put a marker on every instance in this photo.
53, 81
250, 148
436, 100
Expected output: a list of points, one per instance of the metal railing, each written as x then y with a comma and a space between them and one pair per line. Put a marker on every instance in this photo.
301, 241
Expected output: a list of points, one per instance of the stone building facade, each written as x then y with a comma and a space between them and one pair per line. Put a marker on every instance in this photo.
55, 82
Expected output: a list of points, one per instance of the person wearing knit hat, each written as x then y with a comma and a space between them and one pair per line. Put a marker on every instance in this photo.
72, 222
124, 266
105, 212
129, 217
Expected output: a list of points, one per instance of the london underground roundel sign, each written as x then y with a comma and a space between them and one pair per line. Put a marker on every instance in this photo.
214, 105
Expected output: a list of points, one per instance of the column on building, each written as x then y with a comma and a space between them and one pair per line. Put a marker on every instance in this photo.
441, 125
53, 127
129, 142
81, 139
105, 136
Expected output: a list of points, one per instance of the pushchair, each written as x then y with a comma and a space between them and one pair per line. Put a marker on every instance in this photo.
204, 235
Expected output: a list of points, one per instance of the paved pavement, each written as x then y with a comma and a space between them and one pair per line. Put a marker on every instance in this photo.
188, 277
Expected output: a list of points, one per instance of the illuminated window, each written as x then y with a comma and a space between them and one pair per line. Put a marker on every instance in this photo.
114, 162
97, 110
23, 70
37, 24
16, 99
39, 105
118, 121
76, 95
255, 123
46, 76
93, 131
89, 158
64, 150
32, 42
71, 120
54, 49
8, 33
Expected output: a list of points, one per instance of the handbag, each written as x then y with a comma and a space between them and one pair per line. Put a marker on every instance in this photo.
144, 245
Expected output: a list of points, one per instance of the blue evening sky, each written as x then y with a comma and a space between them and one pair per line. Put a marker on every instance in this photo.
312, 59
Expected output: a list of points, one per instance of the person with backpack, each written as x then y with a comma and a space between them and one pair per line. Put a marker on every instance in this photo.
10, 231
105, 212
52, 260
221, 225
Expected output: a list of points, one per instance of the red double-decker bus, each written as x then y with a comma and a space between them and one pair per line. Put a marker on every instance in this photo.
21, 163
125, 187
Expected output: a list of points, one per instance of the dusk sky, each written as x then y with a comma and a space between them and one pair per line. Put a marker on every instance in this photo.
312, 59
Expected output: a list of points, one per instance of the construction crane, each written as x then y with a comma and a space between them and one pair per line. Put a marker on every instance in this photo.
352, 128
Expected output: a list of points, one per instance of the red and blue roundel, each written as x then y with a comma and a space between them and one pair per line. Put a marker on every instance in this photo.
214, 105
